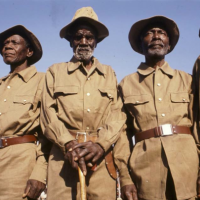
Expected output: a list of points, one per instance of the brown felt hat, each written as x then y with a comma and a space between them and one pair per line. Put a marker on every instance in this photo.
138, 27
85, 14
23, 32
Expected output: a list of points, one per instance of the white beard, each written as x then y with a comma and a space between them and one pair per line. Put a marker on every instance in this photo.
85, 55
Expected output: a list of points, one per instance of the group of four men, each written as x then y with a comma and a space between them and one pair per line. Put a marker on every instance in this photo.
44, 118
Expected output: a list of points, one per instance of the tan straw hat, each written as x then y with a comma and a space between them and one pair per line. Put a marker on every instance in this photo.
85, 14
138, 27
23, 32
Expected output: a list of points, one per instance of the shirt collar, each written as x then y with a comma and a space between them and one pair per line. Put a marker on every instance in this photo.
74, 64
145, 70
25, 74
28, 73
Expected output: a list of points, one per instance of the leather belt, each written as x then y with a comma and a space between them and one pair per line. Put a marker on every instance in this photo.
161, 131
6, 141
84, 137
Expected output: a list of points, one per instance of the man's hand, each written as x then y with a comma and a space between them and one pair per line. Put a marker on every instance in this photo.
91, 152
129, 192
198, 188
33, 189
72, 154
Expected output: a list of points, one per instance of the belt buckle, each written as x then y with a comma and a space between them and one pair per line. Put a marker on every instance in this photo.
166, 129
81, 133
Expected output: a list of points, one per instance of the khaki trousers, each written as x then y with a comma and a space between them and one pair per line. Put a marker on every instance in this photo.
63, 181
16, 165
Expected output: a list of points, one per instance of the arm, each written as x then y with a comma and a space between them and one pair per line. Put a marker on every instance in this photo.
53, 128
196, 109
37, 181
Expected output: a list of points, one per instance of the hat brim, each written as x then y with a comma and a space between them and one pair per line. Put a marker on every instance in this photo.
102, 31
138, 27
23, 32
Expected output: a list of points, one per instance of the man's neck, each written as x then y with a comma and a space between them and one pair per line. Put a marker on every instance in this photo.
154, 62
87, 64
17, 68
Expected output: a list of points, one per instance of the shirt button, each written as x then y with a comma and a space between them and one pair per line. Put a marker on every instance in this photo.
88, 78
183, 99
160, 99
8, 86
109, 95
0, 113
5, 100
158, 84
137, 101
88, 110
88, 94
87, 128
24, 100
163, 115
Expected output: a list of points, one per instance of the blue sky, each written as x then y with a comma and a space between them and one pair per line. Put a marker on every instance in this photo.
45, 18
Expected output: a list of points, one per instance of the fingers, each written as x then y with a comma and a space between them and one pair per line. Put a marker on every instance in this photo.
26, 191
135, 196
33, 189
82, 165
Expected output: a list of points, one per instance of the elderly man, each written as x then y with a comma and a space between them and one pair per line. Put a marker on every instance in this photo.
196, 107
81, 99
164, 161
22, 162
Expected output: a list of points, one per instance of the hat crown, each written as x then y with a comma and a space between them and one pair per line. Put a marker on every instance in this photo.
85, 12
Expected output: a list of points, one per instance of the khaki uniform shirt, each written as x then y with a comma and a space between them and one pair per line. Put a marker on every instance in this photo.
20, 96
154, 97
75, 99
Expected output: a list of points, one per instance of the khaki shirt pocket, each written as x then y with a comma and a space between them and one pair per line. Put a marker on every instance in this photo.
109, 93
180, 101
66, 90
138, 105
23, 99
103, 100
68, 97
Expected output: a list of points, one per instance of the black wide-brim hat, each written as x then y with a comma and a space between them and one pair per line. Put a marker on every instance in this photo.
85, 14
138, 27
23, 32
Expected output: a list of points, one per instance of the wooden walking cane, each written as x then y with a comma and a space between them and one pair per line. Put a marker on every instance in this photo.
81, 137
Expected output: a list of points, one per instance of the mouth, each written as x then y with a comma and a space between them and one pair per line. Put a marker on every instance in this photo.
156, 45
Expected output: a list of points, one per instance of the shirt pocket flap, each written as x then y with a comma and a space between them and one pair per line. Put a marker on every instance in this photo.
180, 97
71, 89
137, 99
108, 92
23, 99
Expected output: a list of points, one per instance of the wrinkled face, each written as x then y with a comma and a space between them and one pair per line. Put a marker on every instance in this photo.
83, 43
155, 42
15, 50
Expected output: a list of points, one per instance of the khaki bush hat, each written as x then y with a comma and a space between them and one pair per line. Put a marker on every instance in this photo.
22, 31
138, 27
86, 14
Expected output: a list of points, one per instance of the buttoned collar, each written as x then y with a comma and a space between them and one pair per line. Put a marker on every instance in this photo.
25, 74
145, 70
74, 64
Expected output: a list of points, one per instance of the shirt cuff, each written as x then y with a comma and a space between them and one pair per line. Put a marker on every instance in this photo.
39, 172
58, 134
125, 178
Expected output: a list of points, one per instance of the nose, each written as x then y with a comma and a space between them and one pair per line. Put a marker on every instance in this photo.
156, 35
84, 41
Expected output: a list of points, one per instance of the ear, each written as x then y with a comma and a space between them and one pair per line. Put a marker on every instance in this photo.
169, 47
29, 53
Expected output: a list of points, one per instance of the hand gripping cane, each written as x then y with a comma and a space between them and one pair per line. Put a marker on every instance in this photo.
81, 137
